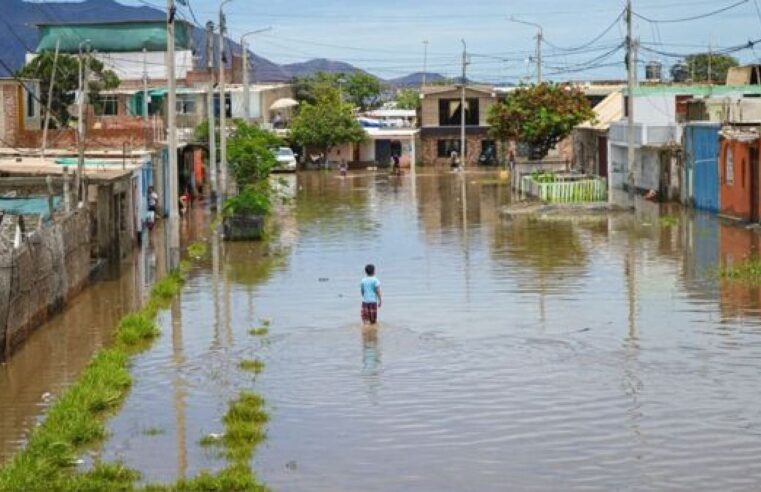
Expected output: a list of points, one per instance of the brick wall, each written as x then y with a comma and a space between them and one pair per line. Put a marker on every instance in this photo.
429, 151
39, 277
9, 115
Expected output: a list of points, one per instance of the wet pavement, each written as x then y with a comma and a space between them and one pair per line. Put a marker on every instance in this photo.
582, 352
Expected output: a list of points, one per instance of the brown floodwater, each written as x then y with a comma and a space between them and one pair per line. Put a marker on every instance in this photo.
530, 354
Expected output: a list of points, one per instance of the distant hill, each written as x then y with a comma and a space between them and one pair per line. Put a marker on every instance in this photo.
18, 35
319, 65
416, 79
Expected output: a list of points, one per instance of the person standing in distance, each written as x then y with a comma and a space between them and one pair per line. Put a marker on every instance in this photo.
371, 296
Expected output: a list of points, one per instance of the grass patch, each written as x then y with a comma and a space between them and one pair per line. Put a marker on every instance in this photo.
668, 221
153, 431
77, 418
256, 366
259, 332
197, 250
748, 271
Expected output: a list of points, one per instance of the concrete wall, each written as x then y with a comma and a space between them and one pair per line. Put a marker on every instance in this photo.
430, 105
37, 278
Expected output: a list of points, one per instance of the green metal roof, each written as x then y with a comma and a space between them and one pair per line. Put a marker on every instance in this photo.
112, 36
695, 90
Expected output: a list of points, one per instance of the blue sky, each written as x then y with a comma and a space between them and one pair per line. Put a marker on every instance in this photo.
386, 37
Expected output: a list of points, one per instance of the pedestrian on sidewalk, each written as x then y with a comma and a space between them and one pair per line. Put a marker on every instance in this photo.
371, 296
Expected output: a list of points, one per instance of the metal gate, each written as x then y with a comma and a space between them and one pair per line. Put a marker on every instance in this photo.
701, 145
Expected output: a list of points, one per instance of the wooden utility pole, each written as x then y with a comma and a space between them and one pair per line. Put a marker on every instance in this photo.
79, 177
50, 100
631, 72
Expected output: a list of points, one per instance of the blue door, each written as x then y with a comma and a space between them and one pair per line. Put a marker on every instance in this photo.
702, 165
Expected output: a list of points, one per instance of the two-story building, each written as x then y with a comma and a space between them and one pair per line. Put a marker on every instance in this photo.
440, 123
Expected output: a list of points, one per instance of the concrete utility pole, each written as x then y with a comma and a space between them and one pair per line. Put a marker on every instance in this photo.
631, 72
174, 197
463, 150
50, 100
210, 112
539, 40
145, 86
246, 88
425, 62
222, 103
81, 122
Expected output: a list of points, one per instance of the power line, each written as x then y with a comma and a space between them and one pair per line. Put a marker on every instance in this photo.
590, 43
692, 18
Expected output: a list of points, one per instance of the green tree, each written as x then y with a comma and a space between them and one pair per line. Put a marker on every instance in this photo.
363, 90
249, 153
719, 64
539, 115
408, 99
326, 123
312, 87
67, 80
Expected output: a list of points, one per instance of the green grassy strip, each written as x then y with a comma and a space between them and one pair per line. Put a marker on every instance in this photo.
77, 418
244, 429
748, 271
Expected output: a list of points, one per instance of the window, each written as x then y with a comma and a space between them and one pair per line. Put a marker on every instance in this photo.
186, 104
445, 148
31, 109
228, 106
729, 169
106, 106
449, 112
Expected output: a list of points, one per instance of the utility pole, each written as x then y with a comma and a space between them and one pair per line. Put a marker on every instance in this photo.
631, 68
539, 40
145, 87
425, 62
81, 122
222, 103
246, 88
710, 61
210, 112
174, 212
50, 100
463, 150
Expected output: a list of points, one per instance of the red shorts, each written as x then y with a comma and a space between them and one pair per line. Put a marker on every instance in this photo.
369, 312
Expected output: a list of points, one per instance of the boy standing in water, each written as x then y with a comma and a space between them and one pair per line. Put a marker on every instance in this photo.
371, 296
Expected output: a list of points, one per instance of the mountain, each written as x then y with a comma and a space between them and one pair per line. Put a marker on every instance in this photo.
18, 34
416, 79
319, 65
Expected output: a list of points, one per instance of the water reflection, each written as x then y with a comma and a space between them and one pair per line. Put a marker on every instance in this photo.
596, 352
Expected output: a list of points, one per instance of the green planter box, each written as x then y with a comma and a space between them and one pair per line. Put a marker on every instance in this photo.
243, 227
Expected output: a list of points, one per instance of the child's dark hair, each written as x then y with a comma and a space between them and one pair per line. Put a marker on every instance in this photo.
370, 269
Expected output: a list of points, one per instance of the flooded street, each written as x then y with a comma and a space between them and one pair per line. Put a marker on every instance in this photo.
594, 352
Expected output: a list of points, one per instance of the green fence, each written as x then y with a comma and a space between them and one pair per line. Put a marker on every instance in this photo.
586, 190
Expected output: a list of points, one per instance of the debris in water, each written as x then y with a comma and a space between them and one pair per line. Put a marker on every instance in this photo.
47, 396
323, 279
292, 465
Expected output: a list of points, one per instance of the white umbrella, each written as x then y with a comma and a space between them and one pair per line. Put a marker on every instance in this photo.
284, 103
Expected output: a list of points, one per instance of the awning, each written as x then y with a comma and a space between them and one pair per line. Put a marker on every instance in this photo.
284, 103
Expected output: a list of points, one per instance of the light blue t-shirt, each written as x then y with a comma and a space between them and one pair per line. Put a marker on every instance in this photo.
369, 288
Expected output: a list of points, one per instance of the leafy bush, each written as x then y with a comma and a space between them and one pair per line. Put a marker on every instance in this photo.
249, 152
253, 200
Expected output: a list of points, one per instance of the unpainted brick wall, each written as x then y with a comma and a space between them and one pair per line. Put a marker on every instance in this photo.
38, 278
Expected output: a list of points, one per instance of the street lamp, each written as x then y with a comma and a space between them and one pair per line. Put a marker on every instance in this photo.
539, 38
246, 89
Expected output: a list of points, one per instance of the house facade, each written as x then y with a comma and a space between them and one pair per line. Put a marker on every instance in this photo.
20, 110
440, 124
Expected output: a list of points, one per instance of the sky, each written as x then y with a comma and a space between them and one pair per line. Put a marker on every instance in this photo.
386, 37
